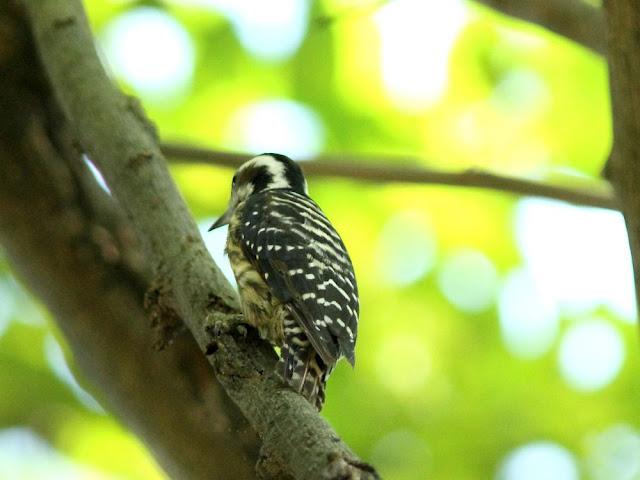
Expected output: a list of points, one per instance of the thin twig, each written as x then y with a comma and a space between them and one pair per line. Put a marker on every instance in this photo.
365, 168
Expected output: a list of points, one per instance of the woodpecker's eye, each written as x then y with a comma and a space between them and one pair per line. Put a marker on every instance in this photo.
233, 182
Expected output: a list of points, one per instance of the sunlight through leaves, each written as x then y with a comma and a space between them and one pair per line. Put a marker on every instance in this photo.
591, 355
407, 249
280, 126
528, 321
537, 461
151, 50
469, 281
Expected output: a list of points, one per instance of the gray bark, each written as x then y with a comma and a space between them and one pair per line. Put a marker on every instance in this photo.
187, 286
67, 241
623, 22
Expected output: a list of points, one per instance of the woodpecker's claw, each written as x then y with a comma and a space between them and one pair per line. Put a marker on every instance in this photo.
228, 325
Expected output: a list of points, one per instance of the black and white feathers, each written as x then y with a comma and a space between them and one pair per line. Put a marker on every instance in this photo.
305, 264
295, 251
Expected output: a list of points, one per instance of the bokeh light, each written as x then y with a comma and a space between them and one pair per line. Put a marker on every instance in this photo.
24, 455
270, 30
528, 320
407, 248
416, 37
403, 363
579, 257
521, 91
280, 126
151, 50
614, 454
537, 461
591, 354
468, 279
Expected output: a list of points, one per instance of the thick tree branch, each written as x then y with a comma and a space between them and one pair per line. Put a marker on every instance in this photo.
573, 19
69, 244
623, 22
189, 284
388, 170
170, 399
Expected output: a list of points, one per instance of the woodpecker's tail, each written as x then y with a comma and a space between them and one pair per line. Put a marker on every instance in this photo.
301, 367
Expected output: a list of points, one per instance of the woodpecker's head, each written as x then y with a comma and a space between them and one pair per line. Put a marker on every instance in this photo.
268, 171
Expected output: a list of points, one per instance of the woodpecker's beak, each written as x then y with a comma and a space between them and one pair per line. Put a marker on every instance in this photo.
223, 220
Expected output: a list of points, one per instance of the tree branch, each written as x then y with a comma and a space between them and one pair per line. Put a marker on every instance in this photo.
573, 19
623, 22
388, 171
170, 399
68, 242
190, 285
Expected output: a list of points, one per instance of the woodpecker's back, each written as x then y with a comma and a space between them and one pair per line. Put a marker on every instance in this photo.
295, 278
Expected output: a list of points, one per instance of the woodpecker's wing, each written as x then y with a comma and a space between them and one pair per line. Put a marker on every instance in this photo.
305, 264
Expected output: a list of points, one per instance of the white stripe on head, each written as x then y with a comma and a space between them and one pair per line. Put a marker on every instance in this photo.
275, 168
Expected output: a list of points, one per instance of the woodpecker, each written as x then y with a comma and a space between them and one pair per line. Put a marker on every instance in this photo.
295, 278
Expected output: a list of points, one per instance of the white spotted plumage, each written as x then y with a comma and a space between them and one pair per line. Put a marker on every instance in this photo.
295, 277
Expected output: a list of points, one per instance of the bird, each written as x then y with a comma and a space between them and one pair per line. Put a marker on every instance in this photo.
296, 281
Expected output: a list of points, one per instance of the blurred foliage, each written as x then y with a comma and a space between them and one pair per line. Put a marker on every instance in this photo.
438, 391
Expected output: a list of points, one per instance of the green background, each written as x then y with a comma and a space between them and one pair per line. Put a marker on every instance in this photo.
497, 337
